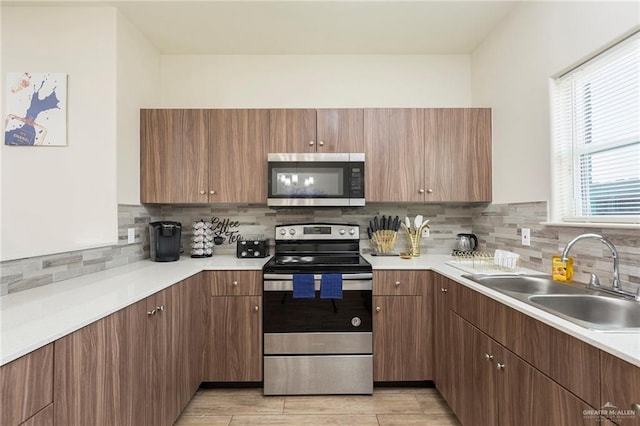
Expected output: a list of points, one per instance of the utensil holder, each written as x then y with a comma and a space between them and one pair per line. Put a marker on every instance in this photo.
384, 241
414, 244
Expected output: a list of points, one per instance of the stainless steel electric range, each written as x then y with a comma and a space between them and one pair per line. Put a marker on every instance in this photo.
317, 345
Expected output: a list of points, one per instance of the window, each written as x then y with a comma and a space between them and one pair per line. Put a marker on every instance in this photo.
596, 138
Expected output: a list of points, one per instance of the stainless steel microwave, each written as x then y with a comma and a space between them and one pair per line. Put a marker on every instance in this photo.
316, 179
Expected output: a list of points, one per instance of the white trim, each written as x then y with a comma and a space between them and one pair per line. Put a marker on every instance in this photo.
592, 225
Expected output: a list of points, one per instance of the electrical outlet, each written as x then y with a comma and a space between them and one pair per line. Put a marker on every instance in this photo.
131, 235
526, 236
425, 232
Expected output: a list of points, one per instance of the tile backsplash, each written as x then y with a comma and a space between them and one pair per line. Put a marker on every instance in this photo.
496, 225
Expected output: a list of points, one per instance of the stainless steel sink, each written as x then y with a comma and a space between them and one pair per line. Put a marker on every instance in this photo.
528, 284
599, 312
571, 301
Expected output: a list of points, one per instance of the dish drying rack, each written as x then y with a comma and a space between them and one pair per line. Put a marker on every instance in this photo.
486, 261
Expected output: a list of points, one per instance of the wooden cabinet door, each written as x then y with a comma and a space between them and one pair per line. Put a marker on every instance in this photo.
238, 146
620, 387
26, 386
173, 156
100, 372
460, 369
457, 154
394, 152
234, 352
340, 130
399, 334
292, 130
442, 345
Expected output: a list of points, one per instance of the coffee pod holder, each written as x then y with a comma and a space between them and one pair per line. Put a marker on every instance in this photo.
202, 239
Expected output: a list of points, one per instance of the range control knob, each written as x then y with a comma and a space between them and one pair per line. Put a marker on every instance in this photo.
341, 231
352, 231
292, 231
244, 254
256, 253
283, 231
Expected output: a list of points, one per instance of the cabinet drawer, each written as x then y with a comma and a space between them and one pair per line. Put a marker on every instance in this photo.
235, 283
26, 386
400, 283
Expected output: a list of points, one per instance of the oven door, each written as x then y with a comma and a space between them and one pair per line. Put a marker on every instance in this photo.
331, 179
284, 314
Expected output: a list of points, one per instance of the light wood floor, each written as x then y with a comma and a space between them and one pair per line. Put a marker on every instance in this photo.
387, 406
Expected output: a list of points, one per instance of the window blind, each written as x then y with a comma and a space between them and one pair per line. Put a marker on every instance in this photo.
596, 138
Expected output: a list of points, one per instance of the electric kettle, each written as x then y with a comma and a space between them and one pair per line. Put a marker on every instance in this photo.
466, 242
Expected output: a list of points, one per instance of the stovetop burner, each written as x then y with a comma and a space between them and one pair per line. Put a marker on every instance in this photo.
317, 248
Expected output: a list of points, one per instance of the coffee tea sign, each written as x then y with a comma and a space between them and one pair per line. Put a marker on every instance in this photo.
225, 230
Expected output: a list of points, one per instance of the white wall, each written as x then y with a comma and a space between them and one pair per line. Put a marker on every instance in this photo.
298, 81
58, 199
510, 73
138, 81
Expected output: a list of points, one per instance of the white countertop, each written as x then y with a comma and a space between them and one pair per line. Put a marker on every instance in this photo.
33, 318
623, 345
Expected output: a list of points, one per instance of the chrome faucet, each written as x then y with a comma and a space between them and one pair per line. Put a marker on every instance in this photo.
594, 282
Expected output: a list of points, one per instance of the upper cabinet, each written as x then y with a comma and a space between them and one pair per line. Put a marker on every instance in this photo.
457, 154
173, 156
238, 142
191, 156
311, 130
428, 155
394, 154
203, 156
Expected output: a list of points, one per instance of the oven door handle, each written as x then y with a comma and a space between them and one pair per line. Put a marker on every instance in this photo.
317, 277
287, 285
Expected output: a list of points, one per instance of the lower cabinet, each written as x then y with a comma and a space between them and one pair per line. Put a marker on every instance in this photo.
402, 330
234, 336
137, 366
620, 390
26, 388
485, 382
44, 417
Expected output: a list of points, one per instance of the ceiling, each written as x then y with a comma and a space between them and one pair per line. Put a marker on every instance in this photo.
310, 27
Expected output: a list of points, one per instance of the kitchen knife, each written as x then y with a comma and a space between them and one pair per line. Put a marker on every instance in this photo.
372, 225
383, 224
369, 233
376, 223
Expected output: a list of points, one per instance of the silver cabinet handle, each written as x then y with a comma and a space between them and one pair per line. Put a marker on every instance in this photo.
421, 191
311, 143
500, 366
234, 283
160, 308
378, 309
256, 308
488, 357
203, 192
397, 283
151, 312
430, 191
444, 290
321, 143
212, 192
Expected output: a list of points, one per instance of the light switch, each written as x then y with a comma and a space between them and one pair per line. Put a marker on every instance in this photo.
131, 235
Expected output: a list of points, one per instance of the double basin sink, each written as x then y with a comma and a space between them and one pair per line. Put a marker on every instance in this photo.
577, 304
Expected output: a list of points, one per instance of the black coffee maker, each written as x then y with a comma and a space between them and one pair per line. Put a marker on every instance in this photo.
165, 241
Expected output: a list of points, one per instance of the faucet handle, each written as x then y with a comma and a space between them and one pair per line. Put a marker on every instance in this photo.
594, 281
